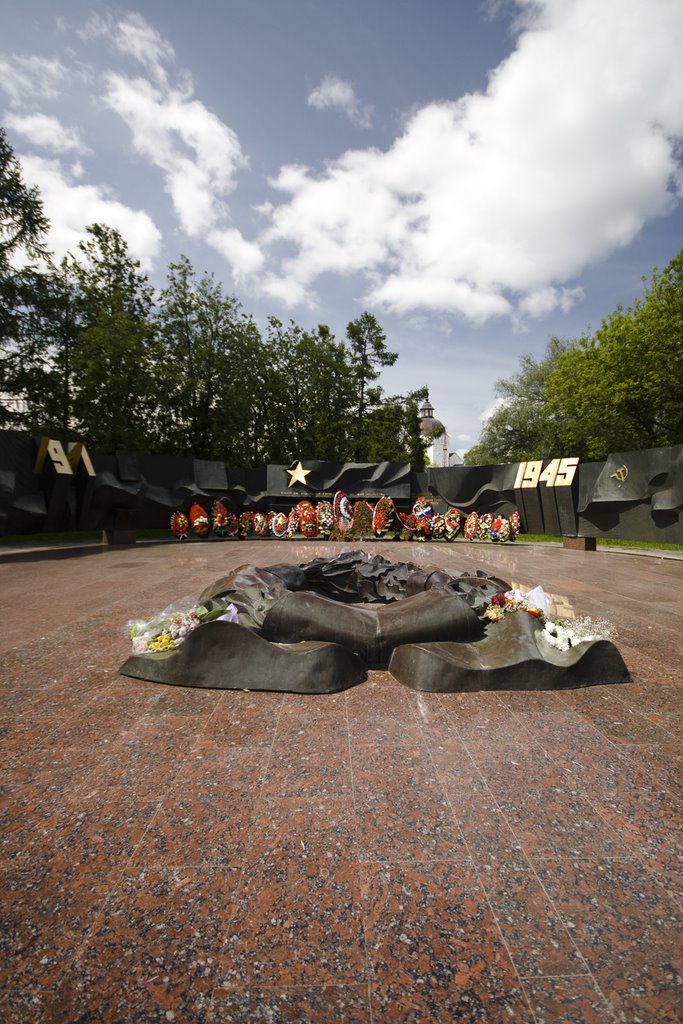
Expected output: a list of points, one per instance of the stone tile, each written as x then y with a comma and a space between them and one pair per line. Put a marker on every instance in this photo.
154, 949
110, 786
627, 929
575, 1000
298, 922
296, 1005
538, 941
434, 948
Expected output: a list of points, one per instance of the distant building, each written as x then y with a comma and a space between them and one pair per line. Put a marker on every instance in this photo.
438, 453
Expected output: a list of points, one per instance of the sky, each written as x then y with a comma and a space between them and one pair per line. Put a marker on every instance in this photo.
481, 175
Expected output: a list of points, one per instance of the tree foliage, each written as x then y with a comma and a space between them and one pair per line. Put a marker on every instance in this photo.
523, 426
368, 354
622, 388
115, 356
619, 389
23, 226
89, 351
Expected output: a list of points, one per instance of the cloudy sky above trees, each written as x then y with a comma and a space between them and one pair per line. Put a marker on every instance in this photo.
479, 175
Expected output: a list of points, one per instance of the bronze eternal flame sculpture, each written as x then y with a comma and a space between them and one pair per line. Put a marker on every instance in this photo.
319, 627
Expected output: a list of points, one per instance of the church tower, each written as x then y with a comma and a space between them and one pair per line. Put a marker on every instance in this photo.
437, 452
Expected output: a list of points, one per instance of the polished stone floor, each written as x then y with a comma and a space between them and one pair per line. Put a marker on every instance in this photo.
376, 856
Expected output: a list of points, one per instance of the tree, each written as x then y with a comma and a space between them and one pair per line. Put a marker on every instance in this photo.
40, 366
23, 223
368, 353
311, 392
622, 388
197, 324
525, 426
116, 357
23, 226
394, 431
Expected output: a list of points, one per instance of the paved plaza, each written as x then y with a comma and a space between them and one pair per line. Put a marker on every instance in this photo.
379, 855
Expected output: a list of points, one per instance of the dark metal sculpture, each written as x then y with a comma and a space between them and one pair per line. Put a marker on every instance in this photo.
318, 627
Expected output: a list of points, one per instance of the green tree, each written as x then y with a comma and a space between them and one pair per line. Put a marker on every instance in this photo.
525, 425
40, 366
23, 226
311, 392
394, 431
197, 326
23, 223
368, 353
621, 389
116, 357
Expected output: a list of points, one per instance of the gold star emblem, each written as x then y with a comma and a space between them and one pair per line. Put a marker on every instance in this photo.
298, 474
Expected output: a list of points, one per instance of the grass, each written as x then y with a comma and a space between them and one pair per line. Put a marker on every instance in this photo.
604, 542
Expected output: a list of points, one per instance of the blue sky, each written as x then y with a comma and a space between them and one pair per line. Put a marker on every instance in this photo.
480, 176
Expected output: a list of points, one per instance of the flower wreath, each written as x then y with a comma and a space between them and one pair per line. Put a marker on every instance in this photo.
409, 522
261, 523
246, 524
199, 520
219, 518
342, 507
279, 525
422, 508
452, 523
308, 519
471, 526
382, 515
325, 515
292, 522
438, 526
180, 525
500, 530
485, 522
515, 524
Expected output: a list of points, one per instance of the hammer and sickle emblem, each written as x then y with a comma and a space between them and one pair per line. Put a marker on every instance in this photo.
620, 474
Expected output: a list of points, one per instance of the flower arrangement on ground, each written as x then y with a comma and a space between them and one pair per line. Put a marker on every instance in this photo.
168, 629
559, 633
340, 520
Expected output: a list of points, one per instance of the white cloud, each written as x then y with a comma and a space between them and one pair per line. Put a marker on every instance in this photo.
72, 207
25, 78
486, 413
491, 204
47, 132
244, 257
336, 94
198, 153
546, 300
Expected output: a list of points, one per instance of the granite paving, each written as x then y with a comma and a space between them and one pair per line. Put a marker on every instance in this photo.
379, 855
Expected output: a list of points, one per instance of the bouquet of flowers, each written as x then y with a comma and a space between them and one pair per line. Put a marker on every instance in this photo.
565, 633
168, 629
536, 602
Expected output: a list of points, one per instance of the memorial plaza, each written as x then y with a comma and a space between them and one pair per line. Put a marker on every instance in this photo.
376, 856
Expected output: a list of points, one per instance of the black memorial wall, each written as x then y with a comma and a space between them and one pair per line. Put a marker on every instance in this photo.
46, 487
